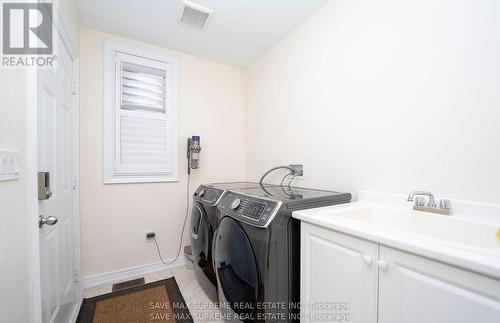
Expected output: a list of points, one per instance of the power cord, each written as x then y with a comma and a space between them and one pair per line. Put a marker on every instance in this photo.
182, 232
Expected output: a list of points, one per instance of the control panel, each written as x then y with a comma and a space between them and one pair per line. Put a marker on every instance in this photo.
248, 209
208, 195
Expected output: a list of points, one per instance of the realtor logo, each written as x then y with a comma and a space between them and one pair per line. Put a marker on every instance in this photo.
27, 29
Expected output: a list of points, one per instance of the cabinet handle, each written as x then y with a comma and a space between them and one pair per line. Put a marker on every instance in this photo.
368, 260
382, 265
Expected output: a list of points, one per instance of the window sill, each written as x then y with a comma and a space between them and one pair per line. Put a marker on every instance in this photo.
130, 180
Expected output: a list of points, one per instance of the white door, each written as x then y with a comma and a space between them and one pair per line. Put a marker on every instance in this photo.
337, 270
415, 289
56, 155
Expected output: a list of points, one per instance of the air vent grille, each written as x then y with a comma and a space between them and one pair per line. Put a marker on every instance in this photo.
194, 15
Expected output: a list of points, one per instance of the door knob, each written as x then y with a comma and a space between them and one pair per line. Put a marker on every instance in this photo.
367, 259
382, 265
48, 220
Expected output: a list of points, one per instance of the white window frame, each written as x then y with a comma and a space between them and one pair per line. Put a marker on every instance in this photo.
112, 92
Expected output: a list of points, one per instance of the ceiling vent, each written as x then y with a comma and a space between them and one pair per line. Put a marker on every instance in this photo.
195, 16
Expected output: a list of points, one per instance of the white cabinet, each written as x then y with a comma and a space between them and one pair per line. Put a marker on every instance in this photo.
385, 285
337, 271
414, 289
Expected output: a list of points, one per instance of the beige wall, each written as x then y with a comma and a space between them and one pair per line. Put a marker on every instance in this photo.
115, 218
383, 95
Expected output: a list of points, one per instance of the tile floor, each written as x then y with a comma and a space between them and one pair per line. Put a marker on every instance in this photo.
201, 307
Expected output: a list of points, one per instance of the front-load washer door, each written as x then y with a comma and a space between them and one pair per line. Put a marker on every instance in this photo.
201, 236
236, 268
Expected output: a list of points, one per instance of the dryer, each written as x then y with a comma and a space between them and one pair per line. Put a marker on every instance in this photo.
257, 250
202, 226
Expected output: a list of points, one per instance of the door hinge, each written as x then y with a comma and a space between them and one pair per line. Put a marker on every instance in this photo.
74, 88
74, 184
76, 275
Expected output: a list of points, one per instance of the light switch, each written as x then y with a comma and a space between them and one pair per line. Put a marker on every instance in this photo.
9, 165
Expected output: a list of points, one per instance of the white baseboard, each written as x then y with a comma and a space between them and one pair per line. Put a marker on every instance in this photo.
129, 273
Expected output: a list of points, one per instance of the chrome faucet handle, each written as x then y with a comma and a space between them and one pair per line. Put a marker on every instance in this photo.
445, 204
424, 193
419, 200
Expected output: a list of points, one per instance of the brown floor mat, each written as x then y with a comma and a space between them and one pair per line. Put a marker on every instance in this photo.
159, 301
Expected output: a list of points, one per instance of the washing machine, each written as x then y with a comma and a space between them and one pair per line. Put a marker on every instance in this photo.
203, 223
257, 251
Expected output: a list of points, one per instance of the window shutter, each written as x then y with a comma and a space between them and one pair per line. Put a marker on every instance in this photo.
141, 140
142, 87
141, 116
143, 145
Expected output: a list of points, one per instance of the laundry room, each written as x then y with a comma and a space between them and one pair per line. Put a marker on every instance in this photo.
250, 161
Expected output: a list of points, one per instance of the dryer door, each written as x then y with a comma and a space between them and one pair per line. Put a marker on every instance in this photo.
201, 236
236, 268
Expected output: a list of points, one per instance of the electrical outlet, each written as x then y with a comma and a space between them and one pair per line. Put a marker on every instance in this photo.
150, 235
299, 168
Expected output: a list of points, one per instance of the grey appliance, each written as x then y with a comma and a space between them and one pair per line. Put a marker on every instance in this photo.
257, 250
202, 226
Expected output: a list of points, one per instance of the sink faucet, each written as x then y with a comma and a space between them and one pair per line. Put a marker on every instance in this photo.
424, 193
444, 205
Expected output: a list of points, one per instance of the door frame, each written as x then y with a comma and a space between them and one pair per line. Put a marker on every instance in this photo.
32, 169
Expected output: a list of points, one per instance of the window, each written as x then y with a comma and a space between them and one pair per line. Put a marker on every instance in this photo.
141, 140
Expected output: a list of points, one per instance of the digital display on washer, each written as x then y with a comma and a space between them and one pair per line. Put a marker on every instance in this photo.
254, 209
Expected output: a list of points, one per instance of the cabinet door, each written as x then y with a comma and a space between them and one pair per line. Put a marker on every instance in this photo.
414, 289
337, 270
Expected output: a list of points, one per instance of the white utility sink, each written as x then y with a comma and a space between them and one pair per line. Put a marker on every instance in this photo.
467, 238
446, 228
388, 261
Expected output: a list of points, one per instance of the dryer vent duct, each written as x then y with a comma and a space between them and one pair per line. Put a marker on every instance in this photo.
195, 16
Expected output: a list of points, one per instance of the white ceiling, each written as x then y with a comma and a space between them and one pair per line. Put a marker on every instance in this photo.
238, 32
